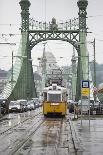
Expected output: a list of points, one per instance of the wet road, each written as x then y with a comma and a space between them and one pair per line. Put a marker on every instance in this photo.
91, 137
30, 133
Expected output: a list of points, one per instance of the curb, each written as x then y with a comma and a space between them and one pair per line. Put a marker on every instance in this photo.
76, 141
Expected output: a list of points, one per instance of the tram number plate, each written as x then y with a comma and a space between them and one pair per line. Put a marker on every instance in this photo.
54, 103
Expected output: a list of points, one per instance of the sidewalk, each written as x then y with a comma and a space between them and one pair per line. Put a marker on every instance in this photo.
91, 137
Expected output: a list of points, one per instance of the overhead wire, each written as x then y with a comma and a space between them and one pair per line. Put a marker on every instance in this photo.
92, 16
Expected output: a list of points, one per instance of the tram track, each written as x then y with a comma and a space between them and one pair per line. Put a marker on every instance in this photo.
17, 124
18, 137
46, 121
71, 143
24, 140
53, 135
55, 130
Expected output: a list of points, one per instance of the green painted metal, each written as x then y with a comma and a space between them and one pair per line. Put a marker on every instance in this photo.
36, 36
83, 60
25, 4
21, 81
22, 84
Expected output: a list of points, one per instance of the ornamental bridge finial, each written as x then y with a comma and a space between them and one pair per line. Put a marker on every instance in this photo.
82, 4
53, 25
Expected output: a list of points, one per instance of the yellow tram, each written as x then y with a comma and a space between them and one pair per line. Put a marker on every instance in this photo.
54, 100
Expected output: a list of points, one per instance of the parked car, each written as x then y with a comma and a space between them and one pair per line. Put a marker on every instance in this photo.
30, 105
3, 107
23, 103
16, 106
36, 102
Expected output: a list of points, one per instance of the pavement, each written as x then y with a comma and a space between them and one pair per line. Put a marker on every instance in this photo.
90, 136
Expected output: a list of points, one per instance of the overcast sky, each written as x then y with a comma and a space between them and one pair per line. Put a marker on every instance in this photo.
40, 10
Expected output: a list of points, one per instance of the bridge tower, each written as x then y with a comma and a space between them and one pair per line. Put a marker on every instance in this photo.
33, 32
83, 57
28, 80
25, 4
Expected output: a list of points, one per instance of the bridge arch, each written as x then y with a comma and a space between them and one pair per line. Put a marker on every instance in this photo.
36, 37
24, 84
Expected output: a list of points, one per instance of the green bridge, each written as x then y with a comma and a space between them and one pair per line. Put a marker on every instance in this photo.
21, 84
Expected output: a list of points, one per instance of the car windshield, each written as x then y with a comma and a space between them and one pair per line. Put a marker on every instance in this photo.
13, 103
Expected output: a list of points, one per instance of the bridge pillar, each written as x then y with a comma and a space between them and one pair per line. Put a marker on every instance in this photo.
25, 4
26, 75
83, 54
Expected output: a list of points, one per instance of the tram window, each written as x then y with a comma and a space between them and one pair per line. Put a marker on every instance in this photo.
54, 87
45, 96
54, 97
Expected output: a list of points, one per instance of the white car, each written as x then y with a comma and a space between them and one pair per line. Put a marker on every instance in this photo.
15, 106
30, 105
23, 104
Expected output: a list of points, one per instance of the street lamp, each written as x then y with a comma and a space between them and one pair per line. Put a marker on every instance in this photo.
74, 78
94, 74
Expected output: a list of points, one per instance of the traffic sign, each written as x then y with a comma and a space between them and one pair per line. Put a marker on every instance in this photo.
85, 91
85, 84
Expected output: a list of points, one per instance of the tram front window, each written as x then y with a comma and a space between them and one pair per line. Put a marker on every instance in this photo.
54, 97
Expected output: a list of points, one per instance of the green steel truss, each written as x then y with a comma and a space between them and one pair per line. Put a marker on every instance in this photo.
22, 85
36, 36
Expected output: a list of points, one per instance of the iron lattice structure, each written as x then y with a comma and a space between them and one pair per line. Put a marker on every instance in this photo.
32, 33
36, 36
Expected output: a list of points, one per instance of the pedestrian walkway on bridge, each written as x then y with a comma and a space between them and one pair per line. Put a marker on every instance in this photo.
91, 137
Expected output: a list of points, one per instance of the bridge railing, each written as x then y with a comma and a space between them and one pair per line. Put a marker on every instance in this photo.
67, 25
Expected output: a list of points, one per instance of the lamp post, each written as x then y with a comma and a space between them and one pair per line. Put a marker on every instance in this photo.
94, 69
28, 80
95, 97
74, 79
44, 63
